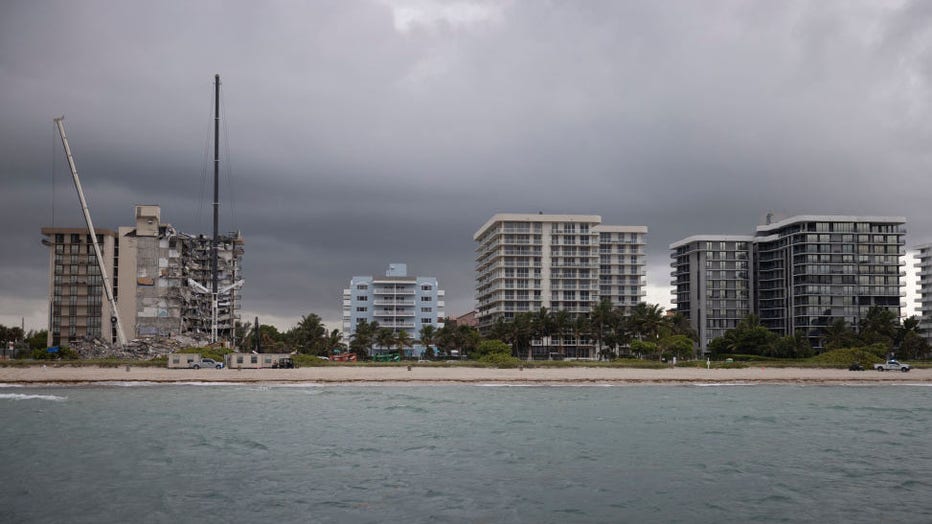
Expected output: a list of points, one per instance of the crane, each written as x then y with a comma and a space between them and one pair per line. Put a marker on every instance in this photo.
115, 314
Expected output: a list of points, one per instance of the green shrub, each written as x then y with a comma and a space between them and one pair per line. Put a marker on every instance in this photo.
307, 361
844, 357
501, 360
491, 347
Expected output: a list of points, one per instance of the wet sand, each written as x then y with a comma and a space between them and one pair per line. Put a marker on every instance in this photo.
425, 375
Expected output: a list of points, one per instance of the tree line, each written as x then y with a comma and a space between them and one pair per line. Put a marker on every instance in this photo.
604, 332
32, 339
311, 337
880, 331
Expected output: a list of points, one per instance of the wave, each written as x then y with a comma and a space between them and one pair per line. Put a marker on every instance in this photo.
536, 385
23, 396
723, 384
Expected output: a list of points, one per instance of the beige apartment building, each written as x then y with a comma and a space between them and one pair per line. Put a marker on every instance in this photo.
561, 262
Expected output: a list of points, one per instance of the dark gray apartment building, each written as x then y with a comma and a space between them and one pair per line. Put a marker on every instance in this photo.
805, 272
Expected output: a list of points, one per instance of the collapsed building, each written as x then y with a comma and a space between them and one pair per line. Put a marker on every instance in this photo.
161, 278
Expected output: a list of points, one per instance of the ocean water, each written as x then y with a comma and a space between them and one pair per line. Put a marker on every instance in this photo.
471, 453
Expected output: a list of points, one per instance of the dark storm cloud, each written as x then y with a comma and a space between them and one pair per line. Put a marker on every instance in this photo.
366, 132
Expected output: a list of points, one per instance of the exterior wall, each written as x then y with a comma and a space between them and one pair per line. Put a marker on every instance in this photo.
125, 279
78, 305
253, 360
183, 360
395, 301
561, 262
467, 319
712, 284
622, 265
158, 308
924, 298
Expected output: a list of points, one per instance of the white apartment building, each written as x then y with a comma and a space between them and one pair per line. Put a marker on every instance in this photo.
924, 255
561, 262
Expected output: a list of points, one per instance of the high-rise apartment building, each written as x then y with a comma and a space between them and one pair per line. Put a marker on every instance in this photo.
811, 270
561, 262
924, 265
712, 284
395, 301
78, 306
159, 278
807, 271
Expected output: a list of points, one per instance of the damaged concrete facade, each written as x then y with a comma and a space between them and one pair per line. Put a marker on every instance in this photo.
150, 268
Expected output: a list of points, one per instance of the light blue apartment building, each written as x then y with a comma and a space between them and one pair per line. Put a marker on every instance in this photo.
395, 301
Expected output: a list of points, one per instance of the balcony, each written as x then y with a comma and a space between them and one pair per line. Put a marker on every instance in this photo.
393, 291
383, 302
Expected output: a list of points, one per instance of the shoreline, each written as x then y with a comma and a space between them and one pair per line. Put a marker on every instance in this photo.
427, 376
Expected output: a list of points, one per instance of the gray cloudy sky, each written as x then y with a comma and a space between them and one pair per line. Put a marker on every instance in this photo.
367, 132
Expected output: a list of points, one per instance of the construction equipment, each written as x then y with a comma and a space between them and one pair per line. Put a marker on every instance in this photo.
115, 314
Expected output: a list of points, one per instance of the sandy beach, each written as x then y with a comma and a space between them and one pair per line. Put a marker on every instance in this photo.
424, 375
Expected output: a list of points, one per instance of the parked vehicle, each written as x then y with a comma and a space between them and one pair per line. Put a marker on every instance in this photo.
207, 363
892, 365
284, 363
855, 366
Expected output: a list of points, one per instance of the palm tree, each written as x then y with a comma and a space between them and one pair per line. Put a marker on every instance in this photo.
617, 334
580, 327
403, 340
520, 334
601, 316
647, 321
309, 335
561, 323
385, 338
468, 338
500, 329
542, 327
680, 325
879, 325
837, 335
334, 341
428, 338
363, 337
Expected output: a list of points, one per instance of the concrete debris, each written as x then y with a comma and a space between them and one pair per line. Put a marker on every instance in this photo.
145, 348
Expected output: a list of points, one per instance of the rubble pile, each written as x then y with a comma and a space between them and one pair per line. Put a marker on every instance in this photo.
140, 348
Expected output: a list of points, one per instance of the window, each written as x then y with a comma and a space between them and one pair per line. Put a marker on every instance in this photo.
362, 287
426, 309
425, 299
426, 321
426, 287
362, 298
362, 309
